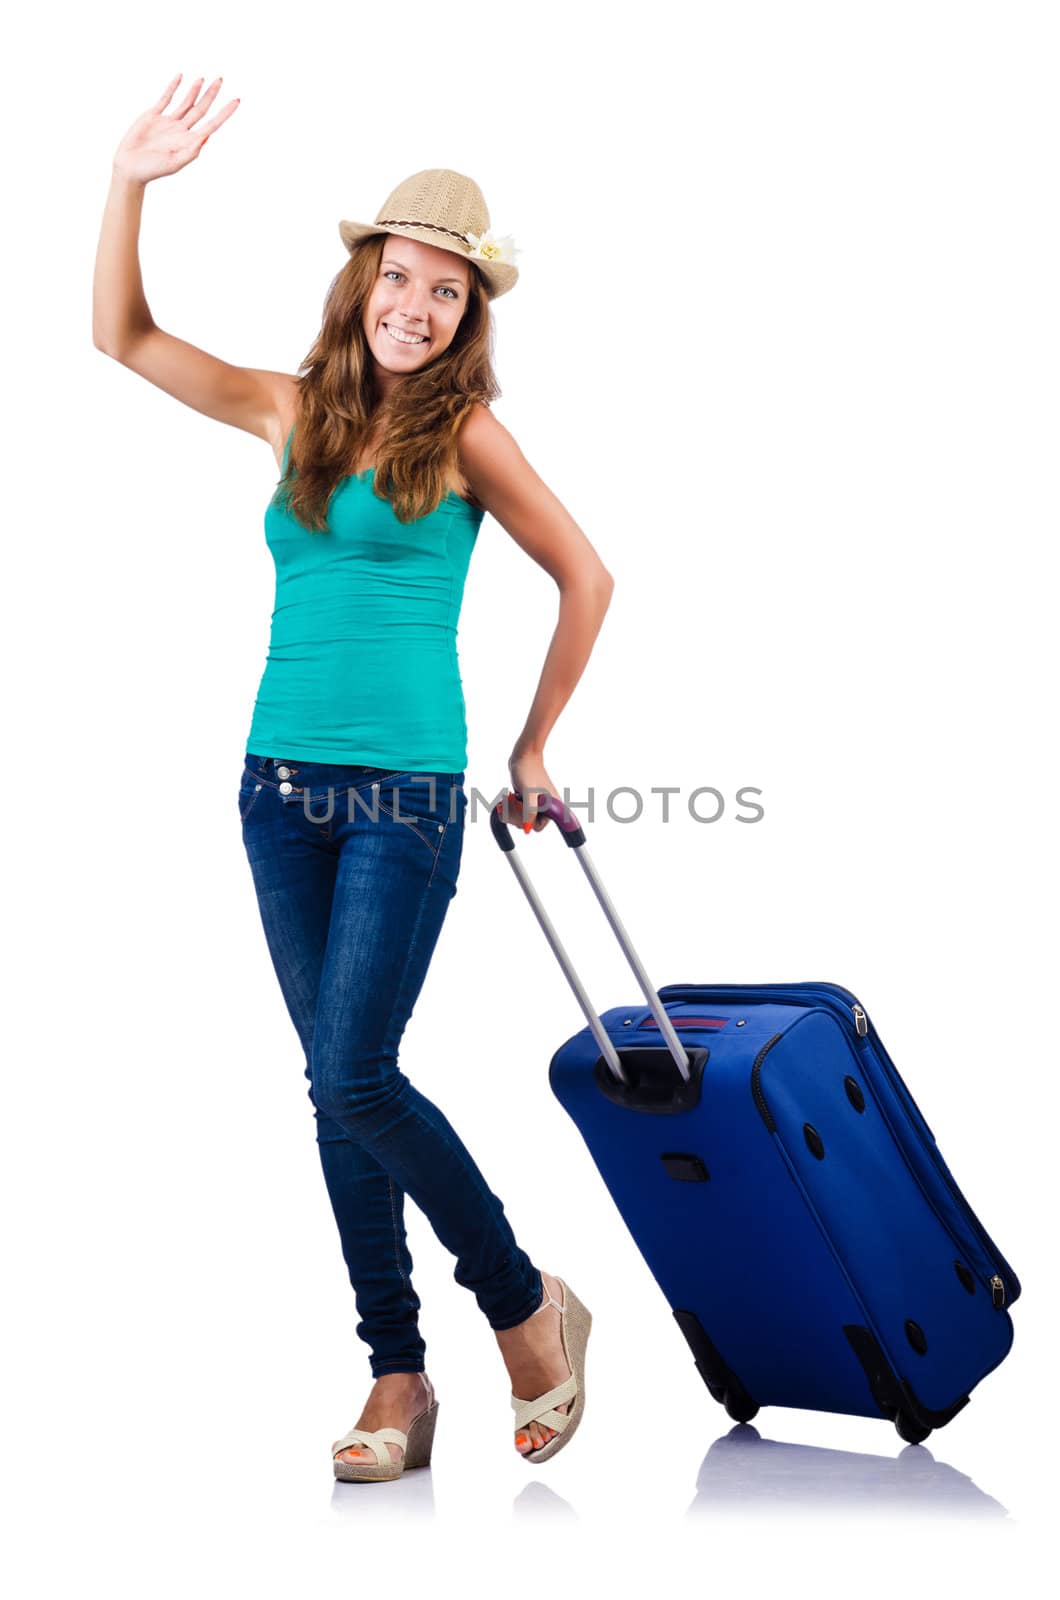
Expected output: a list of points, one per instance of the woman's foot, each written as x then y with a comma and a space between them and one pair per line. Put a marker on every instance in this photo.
397, 1398
533, 1354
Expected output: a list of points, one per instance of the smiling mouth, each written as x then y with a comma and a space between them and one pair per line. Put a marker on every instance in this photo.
411, 340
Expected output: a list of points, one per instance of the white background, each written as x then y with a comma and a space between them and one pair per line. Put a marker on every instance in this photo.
785, 343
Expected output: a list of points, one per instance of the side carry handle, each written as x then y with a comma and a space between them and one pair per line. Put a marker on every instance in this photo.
572, 835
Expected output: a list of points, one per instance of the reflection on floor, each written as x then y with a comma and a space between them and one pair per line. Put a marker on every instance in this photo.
743, 1470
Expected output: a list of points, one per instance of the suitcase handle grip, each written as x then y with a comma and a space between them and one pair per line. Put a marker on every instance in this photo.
552, 806
572, 834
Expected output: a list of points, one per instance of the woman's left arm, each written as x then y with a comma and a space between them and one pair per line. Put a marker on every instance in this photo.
505, 483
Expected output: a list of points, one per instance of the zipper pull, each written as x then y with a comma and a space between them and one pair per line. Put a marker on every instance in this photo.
997, 1292
861, 1021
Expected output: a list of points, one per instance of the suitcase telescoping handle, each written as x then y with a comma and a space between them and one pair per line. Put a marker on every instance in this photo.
572, 835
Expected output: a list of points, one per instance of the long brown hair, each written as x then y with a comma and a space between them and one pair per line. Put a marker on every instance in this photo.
340, 398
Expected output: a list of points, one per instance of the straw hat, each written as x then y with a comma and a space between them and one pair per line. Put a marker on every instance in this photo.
444, 208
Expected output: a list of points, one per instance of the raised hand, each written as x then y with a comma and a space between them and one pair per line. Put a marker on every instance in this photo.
159, 144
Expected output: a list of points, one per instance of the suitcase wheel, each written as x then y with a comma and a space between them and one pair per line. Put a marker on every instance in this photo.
739, 1405
909, 1430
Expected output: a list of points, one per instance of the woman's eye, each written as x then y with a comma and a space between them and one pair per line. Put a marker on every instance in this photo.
392, 272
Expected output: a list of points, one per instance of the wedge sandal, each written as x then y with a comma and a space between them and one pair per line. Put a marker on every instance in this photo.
575, 1321
416, 1446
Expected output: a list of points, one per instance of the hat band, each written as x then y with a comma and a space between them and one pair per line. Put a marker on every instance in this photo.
406, 222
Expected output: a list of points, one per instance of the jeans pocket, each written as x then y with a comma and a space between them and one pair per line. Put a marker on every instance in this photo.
424, 802
249, 791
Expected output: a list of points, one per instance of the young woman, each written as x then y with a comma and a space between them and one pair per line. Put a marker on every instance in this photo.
352, 798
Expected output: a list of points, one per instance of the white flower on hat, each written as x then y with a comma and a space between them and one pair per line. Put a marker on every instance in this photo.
488, 248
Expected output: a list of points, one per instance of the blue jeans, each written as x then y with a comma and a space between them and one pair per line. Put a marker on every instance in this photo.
354, 868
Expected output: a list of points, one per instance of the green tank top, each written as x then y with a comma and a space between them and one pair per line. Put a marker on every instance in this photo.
362, 664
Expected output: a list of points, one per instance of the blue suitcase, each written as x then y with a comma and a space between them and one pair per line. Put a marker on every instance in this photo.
783, 1188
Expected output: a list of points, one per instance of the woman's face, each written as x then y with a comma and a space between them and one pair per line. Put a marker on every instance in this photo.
420, 291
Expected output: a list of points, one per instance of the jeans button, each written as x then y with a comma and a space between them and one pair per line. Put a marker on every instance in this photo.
285, 788
283, 772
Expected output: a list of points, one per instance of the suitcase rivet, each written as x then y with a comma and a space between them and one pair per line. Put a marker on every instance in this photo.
813, 1140
915, 1334
966, 1279
854, 1094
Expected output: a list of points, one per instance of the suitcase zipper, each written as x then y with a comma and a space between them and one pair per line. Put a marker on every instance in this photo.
996, 1282
834, 998
756, 1083
844, 1006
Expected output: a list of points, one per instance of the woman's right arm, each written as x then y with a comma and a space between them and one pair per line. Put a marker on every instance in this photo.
157, 145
